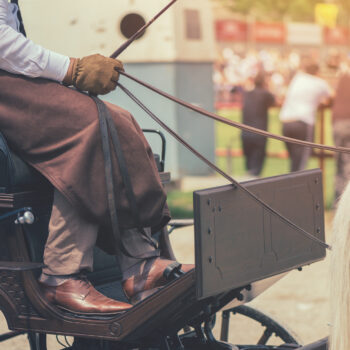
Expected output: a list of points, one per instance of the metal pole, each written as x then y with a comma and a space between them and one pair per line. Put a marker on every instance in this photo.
322, 162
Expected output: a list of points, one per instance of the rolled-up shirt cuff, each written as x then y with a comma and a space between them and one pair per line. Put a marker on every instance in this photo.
57, 67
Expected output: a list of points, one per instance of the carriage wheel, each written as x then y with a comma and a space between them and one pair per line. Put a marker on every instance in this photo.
272, 328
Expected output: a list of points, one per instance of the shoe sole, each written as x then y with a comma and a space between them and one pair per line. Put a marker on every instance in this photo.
92, 313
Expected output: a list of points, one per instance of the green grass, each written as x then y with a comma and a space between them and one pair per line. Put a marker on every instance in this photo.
228, 137
180, 204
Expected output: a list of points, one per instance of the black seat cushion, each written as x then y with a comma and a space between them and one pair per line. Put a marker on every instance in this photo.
15, 174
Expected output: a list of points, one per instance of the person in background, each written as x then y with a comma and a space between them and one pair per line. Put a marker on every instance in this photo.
341, 132
256, 103
307, 91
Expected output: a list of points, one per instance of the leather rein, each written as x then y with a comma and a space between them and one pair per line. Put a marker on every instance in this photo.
235, 183
208, 114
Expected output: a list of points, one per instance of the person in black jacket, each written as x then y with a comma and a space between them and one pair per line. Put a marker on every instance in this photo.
255, 111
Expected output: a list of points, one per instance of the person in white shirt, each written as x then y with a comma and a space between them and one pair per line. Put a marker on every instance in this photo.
69, 248
298, 114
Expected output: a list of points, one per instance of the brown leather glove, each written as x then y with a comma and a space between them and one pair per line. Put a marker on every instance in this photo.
95, 74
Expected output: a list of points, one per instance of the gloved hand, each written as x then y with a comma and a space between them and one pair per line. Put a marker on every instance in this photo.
95, 74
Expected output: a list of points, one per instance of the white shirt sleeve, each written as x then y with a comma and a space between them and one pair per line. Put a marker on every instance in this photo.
20, 55
325, 90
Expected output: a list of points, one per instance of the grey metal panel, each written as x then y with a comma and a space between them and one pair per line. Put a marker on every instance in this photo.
194, 83
191, 82
161, 75
238, 242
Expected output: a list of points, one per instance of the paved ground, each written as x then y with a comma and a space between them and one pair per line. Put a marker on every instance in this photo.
299, 300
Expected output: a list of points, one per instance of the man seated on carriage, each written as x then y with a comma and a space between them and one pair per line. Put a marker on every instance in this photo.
56, 130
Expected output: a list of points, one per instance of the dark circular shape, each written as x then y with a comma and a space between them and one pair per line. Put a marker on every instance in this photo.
131, 23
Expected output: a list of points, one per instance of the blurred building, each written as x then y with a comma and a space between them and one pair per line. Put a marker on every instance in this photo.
175, 54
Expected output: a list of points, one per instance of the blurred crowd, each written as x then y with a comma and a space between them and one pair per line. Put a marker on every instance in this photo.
235, 70
298, 83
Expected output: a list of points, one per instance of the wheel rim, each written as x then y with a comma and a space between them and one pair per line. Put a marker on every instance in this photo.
271, 326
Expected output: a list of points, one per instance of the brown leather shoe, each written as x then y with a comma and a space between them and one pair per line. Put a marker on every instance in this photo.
77, 295
150, 279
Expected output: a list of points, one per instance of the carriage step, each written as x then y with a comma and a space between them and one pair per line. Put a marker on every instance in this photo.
20, 266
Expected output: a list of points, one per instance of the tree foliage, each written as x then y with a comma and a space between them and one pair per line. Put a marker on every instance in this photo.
344, 11
278, 10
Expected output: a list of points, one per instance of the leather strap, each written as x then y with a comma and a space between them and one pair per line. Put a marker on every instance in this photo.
126, 177
234, 182
235, 124
107, 127
19, 15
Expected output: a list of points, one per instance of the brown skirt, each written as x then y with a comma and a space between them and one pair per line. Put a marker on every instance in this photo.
56, 130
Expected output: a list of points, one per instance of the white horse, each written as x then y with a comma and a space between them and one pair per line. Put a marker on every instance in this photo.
340, 276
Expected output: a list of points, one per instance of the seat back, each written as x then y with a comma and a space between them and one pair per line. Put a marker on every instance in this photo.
15, 174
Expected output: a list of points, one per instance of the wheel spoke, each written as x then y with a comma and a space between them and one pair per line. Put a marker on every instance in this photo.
225, 326
265, 337
10, 335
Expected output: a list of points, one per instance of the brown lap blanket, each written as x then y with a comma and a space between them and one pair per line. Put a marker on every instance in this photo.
56, 130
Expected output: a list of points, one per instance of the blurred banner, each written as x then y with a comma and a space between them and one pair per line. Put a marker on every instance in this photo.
296, 34
336, 36
270, 33
231, 30
304, 34
326, 14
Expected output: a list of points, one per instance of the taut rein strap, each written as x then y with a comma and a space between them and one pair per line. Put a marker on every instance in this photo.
223, 120
107, 129
235, 124
228, 177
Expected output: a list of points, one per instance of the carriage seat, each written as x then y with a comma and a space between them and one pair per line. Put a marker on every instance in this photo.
15, 174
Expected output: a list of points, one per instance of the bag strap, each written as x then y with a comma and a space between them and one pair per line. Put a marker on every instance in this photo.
108, 128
